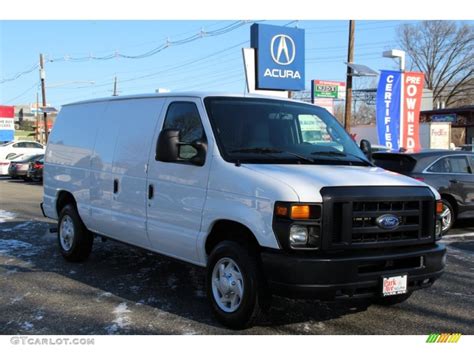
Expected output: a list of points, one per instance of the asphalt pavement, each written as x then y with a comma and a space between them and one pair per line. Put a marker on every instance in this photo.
123, 290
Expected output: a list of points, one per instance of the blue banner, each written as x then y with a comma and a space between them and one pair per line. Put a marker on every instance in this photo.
388, 108
279, 57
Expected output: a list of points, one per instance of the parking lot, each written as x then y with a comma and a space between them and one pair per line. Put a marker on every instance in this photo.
121, 290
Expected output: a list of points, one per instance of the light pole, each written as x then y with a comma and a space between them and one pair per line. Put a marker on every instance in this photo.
396, 53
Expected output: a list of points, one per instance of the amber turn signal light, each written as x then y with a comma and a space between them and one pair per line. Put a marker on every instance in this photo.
300, 212
439, 207
281, 211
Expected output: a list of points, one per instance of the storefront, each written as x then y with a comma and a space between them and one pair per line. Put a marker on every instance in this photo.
462, 122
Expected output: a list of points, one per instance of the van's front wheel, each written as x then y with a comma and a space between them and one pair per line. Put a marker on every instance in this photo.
234, 285
75, 241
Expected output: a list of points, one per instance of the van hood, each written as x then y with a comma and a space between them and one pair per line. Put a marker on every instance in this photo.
308, 180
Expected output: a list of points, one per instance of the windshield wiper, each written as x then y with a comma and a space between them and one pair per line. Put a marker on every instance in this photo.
271, 150
341, 154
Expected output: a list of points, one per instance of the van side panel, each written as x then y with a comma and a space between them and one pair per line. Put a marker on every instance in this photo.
101, 188
68, 157
136, 121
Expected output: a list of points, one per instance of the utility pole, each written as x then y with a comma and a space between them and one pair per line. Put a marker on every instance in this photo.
43, 93
37, 131
115, 87
350, 58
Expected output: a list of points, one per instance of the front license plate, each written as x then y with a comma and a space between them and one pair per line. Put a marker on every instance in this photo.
394, 285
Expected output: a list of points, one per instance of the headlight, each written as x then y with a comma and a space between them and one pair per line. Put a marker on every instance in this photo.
298, 236
297, 225
304, 237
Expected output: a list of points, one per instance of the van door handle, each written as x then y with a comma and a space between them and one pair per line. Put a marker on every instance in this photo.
454, 181
151, 191
116, 183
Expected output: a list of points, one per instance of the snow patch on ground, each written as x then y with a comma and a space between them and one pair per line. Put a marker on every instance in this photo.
121, 321
460, 254
102, 295
17, 299
6, 216
39, 315
24, 225
16, 248
26, 326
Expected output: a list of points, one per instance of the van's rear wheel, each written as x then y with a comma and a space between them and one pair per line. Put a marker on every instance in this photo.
234, 285
75, 241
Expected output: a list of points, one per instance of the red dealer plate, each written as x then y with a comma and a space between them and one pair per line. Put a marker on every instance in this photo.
394, 285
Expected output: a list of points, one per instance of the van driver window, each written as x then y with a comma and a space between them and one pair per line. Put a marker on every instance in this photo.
184, 116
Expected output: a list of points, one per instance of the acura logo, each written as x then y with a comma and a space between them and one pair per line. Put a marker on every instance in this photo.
283, 49
387, 221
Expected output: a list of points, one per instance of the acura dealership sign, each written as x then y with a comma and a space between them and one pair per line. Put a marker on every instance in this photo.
279, 57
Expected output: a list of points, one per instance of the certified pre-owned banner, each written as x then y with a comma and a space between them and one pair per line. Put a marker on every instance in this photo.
388, 108
398, 109
410, 121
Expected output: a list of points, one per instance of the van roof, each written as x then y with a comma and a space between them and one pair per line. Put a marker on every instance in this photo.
196, 94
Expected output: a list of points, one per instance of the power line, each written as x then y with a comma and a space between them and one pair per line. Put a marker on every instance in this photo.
202, 34
20, 74
23, 93
168, 43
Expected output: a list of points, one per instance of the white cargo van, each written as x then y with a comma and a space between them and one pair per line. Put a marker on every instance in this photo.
228, 182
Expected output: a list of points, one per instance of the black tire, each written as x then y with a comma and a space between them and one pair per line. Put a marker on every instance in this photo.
447, 226
255, 299
82, 239
392, 300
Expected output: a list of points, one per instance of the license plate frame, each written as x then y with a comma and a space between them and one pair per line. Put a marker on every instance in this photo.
394, 285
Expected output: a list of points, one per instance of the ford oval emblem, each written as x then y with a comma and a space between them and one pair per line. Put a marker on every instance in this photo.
387, 221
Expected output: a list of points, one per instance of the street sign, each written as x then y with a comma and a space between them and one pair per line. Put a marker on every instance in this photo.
328, 89
448, 117
280, 57
326, 103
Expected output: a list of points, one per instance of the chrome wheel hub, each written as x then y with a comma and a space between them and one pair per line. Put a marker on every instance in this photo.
446, 217
227, 285
66, 233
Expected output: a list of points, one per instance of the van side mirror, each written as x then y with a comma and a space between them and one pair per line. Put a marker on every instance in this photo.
167, 149
366, 148
171, 149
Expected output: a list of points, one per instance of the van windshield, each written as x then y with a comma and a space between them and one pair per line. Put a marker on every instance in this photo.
254, 130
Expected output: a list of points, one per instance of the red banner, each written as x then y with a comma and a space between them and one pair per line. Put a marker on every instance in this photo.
412, 92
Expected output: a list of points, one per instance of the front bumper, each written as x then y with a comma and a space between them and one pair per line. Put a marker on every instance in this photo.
354, 275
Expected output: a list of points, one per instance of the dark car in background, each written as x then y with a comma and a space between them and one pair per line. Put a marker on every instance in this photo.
35, 170
19, 167
450, 172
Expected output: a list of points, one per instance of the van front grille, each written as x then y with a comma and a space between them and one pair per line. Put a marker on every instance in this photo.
350, 218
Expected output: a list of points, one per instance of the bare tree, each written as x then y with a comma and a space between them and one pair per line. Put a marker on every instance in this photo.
444, 52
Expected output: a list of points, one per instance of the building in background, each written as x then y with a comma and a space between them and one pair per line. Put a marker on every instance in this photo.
461, 119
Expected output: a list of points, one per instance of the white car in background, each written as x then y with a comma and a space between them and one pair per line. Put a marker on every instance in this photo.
10, 149
5, 163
